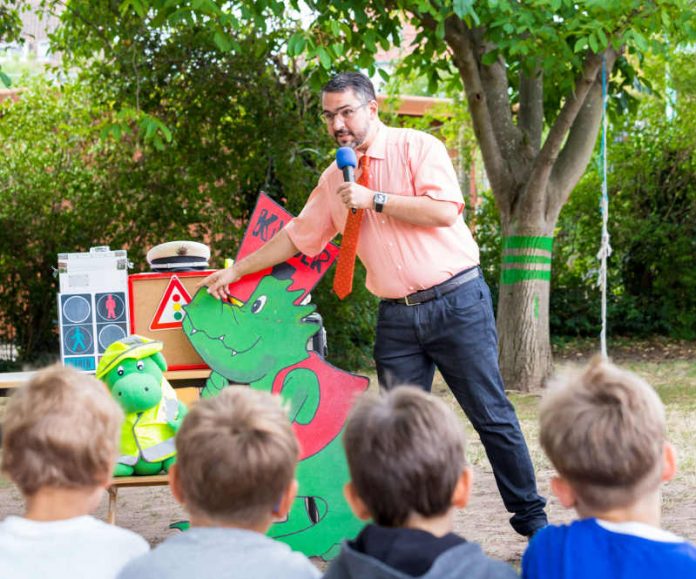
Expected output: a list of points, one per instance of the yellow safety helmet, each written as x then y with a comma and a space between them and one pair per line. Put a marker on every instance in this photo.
133, 347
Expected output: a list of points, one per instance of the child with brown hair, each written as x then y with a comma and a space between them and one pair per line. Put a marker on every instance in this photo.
406, 456
60, 444
235, 475
603, 428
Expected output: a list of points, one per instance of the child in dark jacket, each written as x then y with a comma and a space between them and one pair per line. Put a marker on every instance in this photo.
406, 455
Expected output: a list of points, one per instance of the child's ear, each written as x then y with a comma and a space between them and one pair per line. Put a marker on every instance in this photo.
564, 492
281, 511
355, 503
160, 361
669, 462
462, 491
175, 484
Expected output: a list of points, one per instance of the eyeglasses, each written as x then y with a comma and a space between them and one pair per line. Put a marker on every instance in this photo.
346, 114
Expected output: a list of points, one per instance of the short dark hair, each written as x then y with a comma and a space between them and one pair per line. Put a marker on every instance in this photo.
356, 81
406, 452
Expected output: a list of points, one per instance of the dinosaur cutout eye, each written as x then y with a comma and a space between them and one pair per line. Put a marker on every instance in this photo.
120, 371
258, 305
140, 366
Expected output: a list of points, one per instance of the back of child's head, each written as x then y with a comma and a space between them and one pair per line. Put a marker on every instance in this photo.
236, 456
603, 428
60, 430
406, 451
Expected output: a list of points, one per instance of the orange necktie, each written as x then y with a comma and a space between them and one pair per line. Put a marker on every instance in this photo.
343, 280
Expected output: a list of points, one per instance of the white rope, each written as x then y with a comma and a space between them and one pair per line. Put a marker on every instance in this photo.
605, 247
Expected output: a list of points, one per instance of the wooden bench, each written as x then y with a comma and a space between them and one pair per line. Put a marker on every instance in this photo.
131, 481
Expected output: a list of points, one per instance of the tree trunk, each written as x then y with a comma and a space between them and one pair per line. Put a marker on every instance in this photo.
531, 182
523, 307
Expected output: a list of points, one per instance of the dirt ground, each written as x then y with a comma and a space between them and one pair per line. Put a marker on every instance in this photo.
149, 511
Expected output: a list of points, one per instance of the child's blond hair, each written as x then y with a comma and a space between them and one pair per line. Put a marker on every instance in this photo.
60, 430
406, 450
603, 428
236, 456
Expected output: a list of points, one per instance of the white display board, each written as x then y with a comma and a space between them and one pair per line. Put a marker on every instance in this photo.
92, 304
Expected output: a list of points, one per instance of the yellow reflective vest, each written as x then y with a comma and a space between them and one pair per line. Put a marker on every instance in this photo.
147, 434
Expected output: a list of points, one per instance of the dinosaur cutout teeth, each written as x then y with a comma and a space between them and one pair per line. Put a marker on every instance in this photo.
234, 352
221, 338
194, 331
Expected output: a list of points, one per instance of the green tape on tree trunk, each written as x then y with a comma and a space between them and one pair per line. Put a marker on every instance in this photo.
522, 260
510, 276
526, 242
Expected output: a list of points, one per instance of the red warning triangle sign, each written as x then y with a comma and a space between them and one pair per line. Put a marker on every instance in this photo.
170, 311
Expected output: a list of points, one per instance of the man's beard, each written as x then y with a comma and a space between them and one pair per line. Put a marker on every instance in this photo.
358, 139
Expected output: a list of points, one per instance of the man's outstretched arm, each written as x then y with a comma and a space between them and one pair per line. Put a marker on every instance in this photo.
278, 250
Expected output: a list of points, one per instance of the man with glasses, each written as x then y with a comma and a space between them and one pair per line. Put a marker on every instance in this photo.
421, 260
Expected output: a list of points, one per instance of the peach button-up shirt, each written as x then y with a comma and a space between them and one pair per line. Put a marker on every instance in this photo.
400, 258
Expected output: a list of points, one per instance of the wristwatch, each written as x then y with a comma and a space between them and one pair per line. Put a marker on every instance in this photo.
379, 201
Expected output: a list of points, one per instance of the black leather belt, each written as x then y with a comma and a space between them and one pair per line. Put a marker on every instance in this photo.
438, 290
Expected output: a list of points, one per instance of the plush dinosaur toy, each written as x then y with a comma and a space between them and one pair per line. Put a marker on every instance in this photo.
133, 369
263, 343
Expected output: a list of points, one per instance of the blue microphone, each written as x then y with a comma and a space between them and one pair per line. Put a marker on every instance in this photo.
347, 162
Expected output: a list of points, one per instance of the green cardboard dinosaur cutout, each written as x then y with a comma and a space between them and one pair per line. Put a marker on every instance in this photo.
260, 338
263, 343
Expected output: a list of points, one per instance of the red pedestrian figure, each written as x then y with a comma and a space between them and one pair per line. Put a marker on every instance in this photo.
110, 307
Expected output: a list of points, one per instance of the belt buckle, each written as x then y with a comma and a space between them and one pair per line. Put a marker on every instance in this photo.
409, 303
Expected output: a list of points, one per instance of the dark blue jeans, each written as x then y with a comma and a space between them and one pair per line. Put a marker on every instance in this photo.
456, 333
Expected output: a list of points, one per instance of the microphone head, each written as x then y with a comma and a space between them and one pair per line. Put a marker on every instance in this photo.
345, 157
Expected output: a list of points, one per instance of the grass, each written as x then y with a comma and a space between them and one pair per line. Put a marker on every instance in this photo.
675, 382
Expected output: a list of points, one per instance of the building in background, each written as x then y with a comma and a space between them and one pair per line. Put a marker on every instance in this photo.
32, 53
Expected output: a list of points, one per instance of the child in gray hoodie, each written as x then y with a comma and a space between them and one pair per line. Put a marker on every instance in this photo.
406, 455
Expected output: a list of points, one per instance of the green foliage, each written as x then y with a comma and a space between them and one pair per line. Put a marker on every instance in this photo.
181, 152
652, 270
350, 324
51, 176
551, 36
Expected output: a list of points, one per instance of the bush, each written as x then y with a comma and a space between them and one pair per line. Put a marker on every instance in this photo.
652, 190
51, 200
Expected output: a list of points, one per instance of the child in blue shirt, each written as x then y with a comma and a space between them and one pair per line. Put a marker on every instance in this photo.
603, 428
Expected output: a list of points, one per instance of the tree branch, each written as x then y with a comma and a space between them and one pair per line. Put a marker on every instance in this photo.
541, 170
577, 150
495, 82
531, 115
460, 41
